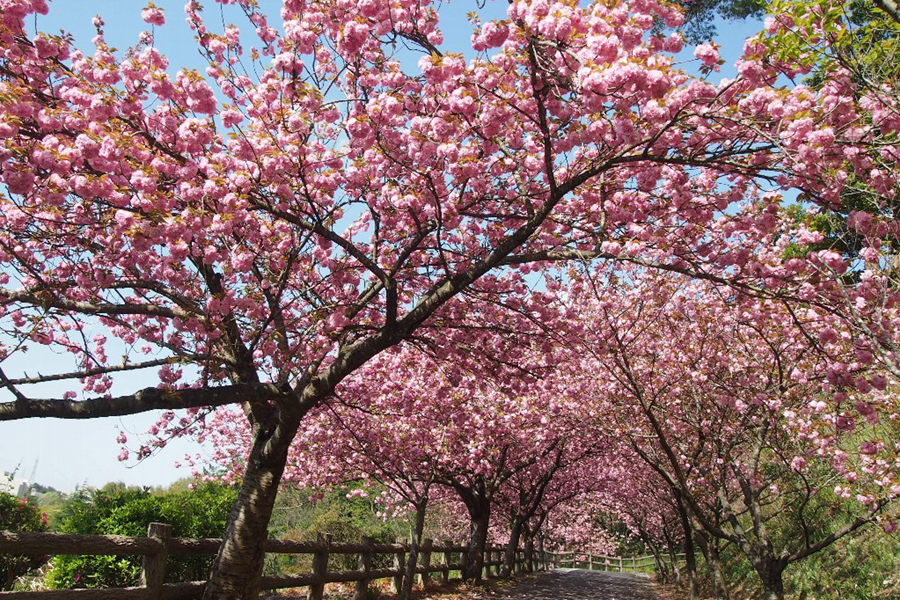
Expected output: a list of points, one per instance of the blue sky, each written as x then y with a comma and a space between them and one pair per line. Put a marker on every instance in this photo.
73, 453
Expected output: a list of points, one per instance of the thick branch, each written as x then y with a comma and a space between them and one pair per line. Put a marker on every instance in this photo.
141, 401
891, 7
48, 301
832, 538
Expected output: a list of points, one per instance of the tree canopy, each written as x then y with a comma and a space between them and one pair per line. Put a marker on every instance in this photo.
347, 251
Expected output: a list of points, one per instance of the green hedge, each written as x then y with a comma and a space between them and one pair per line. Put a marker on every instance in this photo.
18, 514
114, 510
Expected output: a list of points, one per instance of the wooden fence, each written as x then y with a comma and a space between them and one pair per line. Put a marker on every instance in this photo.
598, 562
159, 544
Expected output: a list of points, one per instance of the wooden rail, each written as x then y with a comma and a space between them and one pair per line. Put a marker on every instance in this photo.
159, 544
600, 562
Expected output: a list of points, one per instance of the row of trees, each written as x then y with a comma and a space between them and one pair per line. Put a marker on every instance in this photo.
561, 267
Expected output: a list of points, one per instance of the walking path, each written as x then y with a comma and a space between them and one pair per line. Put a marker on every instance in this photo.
577, 584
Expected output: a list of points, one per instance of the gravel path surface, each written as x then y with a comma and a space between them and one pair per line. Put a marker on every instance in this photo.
576, 584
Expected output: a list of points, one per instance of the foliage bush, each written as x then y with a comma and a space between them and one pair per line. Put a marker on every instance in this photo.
115, 510
18, 514
345, 519
858, 567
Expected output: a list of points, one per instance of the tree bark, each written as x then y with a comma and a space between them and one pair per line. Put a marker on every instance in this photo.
238, 566
715, 563
771, 573
477, 542
529, 554
509, 557
542, 553
689, 558
891, 7
710, 548
657, 558
670, 548
412, 559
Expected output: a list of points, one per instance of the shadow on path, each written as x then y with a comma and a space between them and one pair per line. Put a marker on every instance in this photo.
576, 584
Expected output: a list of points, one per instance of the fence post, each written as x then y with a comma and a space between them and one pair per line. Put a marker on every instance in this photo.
446, 559
399, 566
634, 564
425, 561
319, 568
365, 564
590, 562
620, 565
153, 575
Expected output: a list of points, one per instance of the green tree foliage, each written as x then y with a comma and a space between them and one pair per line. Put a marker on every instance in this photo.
116, 510
346, 519
861, 38
18, 514
858, 567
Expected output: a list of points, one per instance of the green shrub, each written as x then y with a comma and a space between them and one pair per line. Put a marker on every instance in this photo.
115, 510
345, 519
18, 514
861, 566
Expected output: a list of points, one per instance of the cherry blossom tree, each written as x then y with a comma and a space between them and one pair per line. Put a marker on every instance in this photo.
721, 390
259, 232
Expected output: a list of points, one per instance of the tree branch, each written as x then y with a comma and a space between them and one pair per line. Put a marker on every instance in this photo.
47, 301
890, 7
141, 401
6, 382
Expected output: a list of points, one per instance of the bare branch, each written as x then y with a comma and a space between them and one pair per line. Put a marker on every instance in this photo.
88, 308
141, 401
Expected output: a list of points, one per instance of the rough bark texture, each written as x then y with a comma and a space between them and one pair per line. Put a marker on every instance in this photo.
509, 557
673, 558
529, 554
771, 573
141, 401
891, 7
710, 548
690, 559
477, 543
715, 564
413, 558
238, 566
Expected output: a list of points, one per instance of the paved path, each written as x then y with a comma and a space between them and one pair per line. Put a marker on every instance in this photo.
576, 584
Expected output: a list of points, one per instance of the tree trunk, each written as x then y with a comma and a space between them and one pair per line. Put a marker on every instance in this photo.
715, 564
771, 571
542, 553
477, 543
689, 558
673, 557
238, 566
710, 548
529, 554
658, 559
413, 558
509, 558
